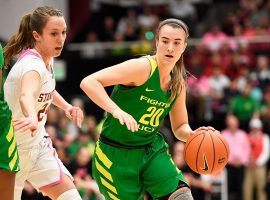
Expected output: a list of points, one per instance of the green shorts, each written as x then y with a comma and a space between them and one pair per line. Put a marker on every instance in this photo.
9, 159
126, 173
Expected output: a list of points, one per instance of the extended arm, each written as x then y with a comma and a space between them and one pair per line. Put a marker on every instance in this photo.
29, 86
73, 113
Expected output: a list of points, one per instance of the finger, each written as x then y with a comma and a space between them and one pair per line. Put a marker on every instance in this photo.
127, 122
77, 118
19, 121
34, 133
20, 126
80, 119
211, 128
133, 124
68, 115
121, 120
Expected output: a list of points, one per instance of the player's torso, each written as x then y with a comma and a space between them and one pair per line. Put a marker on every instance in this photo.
148, 104
44, 97
5, 113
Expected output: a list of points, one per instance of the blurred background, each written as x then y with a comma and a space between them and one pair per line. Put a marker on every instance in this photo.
228, 56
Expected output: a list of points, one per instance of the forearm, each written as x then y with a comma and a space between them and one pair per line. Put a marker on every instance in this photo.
59, 101
27, 101
98, 95
183, 132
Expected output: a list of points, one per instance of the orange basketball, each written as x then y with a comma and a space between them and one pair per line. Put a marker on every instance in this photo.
206, 152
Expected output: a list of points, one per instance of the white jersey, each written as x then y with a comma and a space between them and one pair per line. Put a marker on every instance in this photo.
30, 60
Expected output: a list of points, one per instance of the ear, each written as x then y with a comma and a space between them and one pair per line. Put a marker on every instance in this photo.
184, 48
156, 43
36, 36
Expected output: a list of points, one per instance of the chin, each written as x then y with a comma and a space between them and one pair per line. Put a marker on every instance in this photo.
57, 54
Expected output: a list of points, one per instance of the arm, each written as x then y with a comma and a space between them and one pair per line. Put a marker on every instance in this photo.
179, 117
29, 87
132, 73
73, 113
30, 84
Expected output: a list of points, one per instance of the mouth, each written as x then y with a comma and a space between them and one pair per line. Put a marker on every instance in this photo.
58, 48
169, 56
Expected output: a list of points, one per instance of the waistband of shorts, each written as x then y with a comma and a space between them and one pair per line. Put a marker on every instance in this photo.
113, 143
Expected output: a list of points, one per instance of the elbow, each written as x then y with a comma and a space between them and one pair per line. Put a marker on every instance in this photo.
22, 98
83, 84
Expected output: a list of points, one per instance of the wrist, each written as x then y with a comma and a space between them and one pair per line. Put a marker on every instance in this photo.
67, 107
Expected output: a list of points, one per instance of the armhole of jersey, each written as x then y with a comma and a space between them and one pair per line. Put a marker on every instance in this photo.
153, 64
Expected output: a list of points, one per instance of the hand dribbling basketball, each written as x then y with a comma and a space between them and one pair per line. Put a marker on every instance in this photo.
206, 151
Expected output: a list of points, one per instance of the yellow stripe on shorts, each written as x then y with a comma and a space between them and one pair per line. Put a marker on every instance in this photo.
108, 185
11, 148
104, 159
10, 134
103, 171
13, 161
112, 196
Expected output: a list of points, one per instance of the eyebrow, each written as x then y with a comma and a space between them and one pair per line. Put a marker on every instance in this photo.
169, 38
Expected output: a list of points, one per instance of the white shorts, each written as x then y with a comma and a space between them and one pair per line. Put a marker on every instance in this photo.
40, 166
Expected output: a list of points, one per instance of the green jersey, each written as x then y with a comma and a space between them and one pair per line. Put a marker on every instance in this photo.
148, 104
5, 112
9, 159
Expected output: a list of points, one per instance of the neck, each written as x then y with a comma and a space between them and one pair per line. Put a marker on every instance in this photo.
46, 59
164, 69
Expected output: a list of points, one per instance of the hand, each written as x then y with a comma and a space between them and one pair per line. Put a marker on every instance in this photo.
125, 118
26, 123
75, 114
205, 128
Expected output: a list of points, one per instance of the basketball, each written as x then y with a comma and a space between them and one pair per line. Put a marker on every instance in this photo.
206, 152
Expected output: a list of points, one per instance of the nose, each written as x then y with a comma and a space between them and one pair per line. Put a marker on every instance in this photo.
61, 38
170, 48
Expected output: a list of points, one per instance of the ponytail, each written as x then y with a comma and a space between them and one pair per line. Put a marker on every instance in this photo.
19, 41
178, 76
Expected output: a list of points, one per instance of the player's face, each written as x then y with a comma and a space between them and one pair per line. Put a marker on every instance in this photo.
53, 36
171, 43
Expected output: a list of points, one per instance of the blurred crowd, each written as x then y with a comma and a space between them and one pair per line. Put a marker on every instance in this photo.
229, 89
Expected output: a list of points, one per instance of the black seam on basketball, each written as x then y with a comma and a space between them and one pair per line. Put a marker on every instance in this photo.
214, 152
189, 144
224, 146
199, 151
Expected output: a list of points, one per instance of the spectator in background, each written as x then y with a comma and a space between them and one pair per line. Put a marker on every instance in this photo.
184, 10
130, 19
244, 106
147, 21
261, 75
218, 82
256, 171
107, 30
239, 156
214, 38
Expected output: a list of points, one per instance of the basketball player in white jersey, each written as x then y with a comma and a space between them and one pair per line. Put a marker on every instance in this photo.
29, 91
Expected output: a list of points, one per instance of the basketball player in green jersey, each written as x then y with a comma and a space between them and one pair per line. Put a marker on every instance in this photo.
9, 159
131, 156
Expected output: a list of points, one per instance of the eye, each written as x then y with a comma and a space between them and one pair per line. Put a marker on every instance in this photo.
54, 34
177, 43
165, 41
64, 32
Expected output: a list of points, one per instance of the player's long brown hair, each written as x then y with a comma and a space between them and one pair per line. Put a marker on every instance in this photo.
23, 39
178, 73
